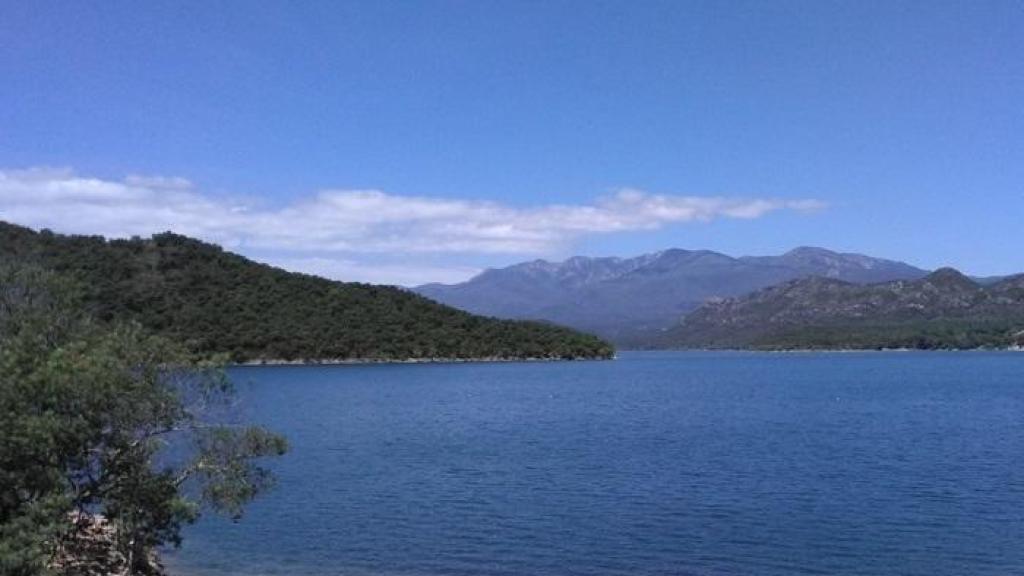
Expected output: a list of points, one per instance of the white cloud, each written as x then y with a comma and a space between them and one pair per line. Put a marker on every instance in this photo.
406, 274
158, 182
330, 228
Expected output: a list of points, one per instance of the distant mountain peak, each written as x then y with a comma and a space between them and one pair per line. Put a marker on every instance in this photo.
672, 252
950, 277
811, 251
946, 272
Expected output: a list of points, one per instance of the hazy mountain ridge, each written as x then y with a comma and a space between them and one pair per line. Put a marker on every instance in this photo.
944, 309
631, 300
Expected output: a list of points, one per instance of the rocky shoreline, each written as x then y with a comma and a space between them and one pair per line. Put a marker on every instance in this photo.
91, 549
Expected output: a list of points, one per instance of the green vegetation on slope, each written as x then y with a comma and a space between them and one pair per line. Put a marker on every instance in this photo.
943, 334
216, 301
944, 310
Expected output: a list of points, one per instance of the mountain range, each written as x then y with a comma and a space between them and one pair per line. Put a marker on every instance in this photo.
944, 309
632, 301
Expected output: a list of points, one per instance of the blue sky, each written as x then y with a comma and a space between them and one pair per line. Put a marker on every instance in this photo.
407, 142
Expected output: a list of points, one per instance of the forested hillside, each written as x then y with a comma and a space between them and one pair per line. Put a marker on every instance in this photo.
944, 310
216, 301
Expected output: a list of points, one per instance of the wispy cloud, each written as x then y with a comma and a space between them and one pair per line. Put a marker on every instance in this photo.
400, 274
327, 231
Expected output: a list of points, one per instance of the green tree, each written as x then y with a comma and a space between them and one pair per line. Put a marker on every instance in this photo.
108, 421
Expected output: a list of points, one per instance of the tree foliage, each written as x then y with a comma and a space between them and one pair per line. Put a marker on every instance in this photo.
215, 301
940, 334
88, 411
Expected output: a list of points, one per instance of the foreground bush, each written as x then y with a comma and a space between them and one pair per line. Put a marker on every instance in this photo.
108, 425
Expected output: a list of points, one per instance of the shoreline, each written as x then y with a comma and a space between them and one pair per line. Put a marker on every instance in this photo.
891, 350
278, 362
830, 350
439, 360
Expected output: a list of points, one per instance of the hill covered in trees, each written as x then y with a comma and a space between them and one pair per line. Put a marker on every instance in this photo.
215, 301
944, 310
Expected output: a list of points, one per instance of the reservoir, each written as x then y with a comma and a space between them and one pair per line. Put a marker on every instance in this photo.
704, 463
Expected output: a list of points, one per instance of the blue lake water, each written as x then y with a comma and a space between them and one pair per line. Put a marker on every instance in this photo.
655, 463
